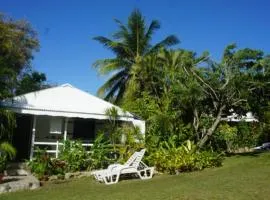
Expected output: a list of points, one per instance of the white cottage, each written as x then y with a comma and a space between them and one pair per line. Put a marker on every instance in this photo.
49, 116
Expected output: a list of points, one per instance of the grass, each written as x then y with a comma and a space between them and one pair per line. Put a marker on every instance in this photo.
241, 177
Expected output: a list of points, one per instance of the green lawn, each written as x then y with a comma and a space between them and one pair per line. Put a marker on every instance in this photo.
241, 177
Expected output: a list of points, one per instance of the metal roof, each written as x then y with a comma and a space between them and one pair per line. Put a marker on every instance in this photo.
64, 100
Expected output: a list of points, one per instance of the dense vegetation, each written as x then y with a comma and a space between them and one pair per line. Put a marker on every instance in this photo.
241, 177
184, 98
18, 42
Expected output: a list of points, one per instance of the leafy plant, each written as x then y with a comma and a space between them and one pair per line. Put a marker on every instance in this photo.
7, 151
75, 156
132, 140
227, 134
172, 158
99, 153
43, 166
40, 165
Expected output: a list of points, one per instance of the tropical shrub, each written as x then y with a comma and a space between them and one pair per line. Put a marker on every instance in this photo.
171, 158
43, 166
131, 140
75, 156
248, 134
3, 163
234, 136
225, 137
99, 153
208, 159
7, 151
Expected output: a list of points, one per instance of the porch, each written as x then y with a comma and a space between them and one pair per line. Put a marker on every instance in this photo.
48, 133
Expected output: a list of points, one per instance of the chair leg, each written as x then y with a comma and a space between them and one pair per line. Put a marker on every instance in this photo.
111, 179
146, 173
99, 175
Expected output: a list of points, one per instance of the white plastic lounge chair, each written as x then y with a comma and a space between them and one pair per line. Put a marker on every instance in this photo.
134, 165
100, 173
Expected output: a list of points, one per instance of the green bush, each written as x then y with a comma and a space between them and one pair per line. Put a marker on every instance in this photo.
99, 153
208, 159
43, 166
75, 156
248, 134
233, 136
3, 163
132, 140
171, 158
7, 152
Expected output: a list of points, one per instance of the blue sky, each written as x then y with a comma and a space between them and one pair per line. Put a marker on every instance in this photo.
66, 28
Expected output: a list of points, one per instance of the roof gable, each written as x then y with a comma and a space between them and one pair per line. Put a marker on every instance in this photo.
63, 99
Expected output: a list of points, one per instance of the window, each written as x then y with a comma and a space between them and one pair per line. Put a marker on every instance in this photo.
56, 125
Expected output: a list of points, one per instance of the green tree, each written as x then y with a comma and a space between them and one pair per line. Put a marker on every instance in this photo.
18, 42
30, 82
129, 44
162, 93
227, 85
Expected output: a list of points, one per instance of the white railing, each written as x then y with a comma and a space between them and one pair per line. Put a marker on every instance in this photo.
56, 144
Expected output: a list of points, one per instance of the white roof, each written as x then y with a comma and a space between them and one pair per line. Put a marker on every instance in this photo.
64, 100
234, 117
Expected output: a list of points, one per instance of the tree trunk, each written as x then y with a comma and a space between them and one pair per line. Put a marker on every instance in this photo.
211, 130
196, 123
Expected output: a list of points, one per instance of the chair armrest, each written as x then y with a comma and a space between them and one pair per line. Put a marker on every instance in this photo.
114, 166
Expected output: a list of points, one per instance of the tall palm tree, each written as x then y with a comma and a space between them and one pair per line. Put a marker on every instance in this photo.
129, 44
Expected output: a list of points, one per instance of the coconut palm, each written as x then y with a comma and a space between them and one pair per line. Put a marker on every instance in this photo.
129, 44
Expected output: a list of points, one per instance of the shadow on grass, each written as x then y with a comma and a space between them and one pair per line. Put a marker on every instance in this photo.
249, 154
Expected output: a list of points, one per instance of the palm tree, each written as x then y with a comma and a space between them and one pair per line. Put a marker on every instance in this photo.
7, 124
129, 44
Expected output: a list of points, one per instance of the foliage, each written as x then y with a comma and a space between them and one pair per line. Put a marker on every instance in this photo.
234, 136
43, 166
249, 135
99, 153
124, 138
31, 81
156, 93
132, 141
7, 124
173, 89
129, 44
18, 42
75, 156
228, 134
171, 158
111, 128
7, 151
3, 164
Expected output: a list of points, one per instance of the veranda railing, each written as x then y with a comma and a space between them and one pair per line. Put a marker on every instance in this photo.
56, 144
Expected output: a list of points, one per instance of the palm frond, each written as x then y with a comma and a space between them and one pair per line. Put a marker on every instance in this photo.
7, 149
123, 33
118, 48
167, 42
115, 92
130, 44
109, 84
155, 25
107, 66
